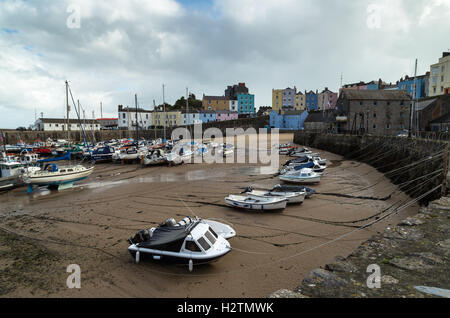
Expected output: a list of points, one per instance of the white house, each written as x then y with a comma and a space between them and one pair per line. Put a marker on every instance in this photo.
60, 124
127, 118
233, 105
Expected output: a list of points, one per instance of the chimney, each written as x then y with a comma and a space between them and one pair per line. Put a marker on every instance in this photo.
120, 108
445, 54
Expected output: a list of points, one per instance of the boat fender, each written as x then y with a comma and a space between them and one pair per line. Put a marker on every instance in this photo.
191, 265
138, 256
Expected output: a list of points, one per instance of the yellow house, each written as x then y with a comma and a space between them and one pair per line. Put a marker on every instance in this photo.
299, 101
167, 119
277, 99
440, 76
215, 103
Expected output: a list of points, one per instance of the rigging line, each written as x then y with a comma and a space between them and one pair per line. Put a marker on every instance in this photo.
379, 180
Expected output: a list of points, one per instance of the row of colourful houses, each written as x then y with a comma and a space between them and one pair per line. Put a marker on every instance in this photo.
149, 118
289, 99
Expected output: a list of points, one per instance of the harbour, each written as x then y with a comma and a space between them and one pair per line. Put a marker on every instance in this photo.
89, 225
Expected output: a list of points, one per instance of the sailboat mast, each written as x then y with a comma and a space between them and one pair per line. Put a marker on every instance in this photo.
137, 127
164, 112
67, 109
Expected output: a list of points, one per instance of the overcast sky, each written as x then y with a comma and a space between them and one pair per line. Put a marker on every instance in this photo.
120, 48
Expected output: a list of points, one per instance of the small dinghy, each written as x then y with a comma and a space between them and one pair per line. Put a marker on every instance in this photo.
186, 242
258, 204
291, 188
304, 176
291, 197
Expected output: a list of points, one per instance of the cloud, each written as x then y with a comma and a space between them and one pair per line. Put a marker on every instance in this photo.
128, 47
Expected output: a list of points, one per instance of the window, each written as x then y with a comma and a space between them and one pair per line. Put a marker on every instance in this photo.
214, 233
123, 115
361, 103
388, 126
374, 115
442, 89
442, 78
374, 126
204, 244
192, 246
210, 237
374, 103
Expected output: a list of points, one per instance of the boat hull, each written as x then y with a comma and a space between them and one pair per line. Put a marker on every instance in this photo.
298, 180
170, 257
292, 198
272, 206
59, 179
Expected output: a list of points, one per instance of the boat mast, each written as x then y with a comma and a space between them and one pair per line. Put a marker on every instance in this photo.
78, 101
164, 112
67, 109
154, 111
137, 127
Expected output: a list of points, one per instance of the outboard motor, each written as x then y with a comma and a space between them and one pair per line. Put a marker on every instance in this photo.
248, 189
171, 222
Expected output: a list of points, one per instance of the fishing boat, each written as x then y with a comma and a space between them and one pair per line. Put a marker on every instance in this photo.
190, 241
291, 188
259, 204
292, 197
304, 176
62, 177
155, 157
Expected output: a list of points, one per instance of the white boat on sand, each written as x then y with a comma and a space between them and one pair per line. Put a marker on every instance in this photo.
187, 242
259, 204
292, 197
304, 176
53, 176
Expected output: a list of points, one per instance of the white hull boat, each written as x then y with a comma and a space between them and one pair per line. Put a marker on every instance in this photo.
186, 242
258, 204
62, 177
304, 176
291, 197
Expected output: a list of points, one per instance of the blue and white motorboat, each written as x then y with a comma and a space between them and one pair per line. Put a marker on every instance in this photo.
304, 176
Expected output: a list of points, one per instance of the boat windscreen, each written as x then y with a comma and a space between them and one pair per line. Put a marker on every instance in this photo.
204, 244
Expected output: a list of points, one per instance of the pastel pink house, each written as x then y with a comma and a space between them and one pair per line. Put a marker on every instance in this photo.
222, 115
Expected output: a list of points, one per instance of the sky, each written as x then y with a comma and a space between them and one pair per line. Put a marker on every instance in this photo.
111, 50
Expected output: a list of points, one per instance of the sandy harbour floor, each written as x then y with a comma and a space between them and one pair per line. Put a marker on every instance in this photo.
89, 225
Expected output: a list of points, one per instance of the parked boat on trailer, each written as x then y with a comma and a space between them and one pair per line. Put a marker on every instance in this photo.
190, 241
256, 204
291, 197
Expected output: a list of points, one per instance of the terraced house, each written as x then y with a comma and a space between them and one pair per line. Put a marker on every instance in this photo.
439, 83
215, 103
166, 119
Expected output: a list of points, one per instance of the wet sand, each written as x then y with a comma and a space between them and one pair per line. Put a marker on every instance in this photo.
89, 225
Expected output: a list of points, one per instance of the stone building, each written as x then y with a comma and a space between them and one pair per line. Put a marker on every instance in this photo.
379, 112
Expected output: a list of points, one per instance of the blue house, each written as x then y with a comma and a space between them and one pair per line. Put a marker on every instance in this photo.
293, 120
207, 116
311, 100
246, 103
408, 85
